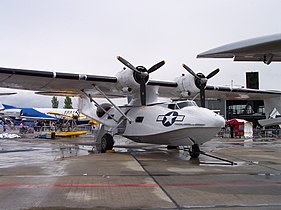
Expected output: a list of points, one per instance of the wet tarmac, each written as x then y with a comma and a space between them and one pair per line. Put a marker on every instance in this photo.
62, 174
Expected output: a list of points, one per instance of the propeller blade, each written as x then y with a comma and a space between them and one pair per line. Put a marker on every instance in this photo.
143, 92
202, 96
126, 63
156, 66
213, 73
141, 75
190, 71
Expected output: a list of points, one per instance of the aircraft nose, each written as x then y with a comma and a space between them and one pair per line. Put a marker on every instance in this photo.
213, 119
219, 121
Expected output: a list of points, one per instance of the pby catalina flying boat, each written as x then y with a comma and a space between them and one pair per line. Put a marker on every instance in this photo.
146, 118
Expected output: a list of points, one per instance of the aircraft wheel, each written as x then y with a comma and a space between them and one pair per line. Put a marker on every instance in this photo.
106, 142
194, 151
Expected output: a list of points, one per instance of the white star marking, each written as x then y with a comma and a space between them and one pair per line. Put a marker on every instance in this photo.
170, 119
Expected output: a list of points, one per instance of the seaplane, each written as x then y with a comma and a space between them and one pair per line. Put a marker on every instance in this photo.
159, 112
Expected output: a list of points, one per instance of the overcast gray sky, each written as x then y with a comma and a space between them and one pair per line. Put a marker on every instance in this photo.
86, 36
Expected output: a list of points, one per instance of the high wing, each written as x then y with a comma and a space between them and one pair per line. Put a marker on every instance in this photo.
58, 83
55, 83
265, 49
232, 93
224, 92
65, 84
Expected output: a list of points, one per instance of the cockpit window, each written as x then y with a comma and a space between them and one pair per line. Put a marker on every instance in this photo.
171, 106
180, 105
186, 103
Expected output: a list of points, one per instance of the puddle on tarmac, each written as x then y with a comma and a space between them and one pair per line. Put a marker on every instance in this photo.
15, 153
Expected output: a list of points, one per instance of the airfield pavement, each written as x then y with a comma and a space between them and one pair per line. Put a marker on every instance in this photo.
60, 174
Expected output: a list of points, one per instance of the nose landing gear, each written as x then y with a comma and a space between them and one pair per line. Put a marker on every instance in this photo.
107, 143
194, 151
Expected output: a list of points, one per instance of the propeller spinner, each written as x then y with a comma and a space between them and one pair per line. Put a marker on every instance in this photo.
201, 81
141, 75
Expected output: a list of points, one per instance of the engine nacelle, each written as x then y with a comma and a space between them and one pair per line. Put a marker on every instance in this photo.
11, 112
187, 86
126, 81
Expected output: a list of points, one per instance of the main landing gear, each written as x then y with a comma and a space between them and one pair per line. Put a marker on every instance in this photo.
106, 143
194, 151
104, 140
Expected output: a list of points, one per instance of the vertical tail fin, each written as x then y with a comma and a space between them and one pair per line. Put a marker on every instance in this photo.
2, 107
272, 108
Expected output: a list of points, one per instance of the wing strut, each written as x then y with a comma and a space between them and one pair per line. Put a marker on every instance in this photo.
116, 107
97, 104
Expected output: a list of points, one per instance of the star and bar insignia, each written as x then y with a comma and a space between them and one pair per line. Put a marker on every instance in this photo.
170, 118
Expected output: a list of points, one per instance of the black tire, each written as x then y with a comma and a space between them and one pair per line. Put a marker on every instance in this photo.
194, 151
107, 142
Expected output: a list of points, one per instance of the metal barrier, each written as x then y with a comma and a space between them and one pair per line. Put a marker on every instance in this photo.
257, 133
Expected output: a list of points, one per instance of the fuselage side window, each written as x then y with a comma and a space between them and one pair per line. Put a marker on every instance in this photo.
139, 119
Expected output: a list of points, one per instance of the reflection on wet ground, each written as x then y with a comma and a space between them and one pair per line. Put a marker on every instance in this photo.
208, 156
17, 152
61, 174
21, 152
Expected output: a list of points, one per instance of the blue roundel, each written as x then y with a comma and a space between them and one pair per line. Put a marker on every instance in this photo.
169, 118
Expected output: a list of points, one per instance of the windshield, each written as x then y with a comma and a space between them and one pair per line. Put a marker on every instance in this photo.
180, 105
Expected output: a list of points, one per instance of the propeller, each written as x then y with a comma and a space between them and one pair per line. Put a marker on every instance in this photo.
201, 81
141, 75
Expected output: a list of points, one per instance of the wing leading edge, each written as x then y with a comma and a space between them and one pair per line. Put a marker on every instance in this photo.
63, 84
54, 82
224, 92
265, 49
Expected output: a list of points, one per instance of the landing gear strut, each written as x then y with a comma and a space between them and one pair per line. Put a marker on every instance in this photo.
194, 151
106, 142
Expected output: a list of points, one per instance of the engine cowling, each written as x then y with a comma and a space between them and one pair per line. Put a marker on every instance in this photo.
187, 86
140, 75
126, 81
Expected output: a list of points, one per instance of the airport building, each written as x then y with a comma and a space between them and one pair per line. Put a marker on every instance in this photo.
250, 110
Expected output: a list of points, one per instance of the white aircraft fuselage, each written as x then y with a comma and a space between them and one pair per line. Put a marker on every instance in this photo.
178, 127
180, 123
